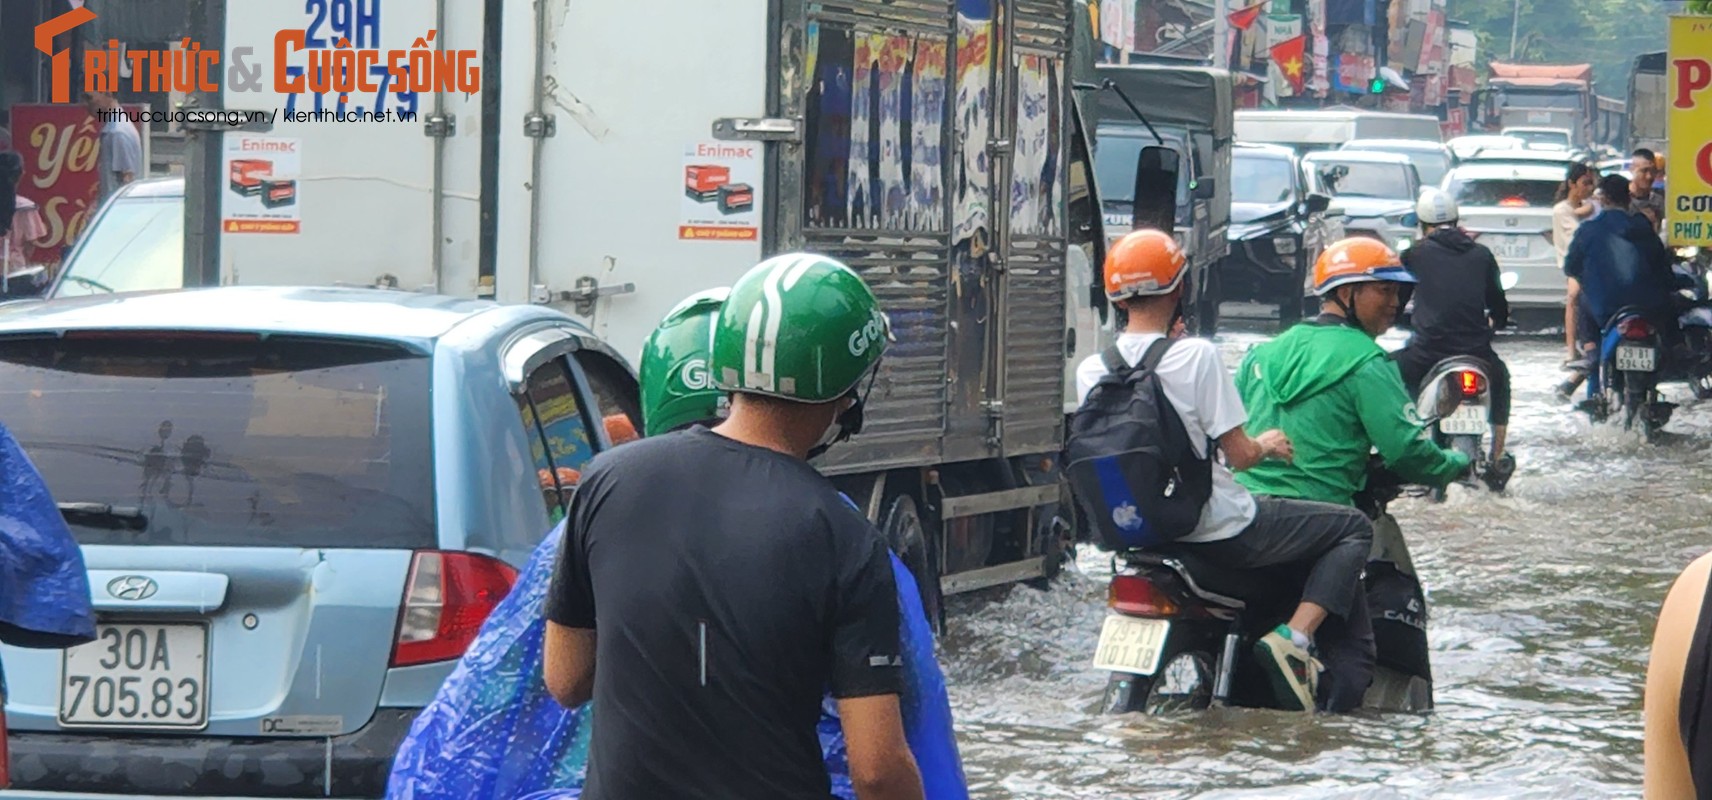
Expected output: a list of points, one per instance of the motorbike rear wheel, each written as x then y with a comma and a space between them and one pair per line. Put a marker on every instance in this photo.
1184, 682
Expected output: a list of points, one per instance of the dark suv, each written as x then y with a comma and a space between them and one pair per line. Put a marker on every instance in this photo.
1279, 225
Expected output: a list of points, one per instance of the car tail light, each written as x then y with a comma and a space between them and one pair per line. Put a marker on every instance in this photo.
446, 599
1472, 383
1138, 597
1513, 202
1634, 328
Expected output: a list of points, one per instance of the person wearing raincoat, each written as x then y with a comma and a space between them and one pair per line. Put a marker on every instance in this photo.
494, 733
44, 586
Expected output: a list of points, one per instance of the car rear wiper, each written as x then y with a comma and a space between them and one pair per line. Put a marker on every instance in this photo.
104, 515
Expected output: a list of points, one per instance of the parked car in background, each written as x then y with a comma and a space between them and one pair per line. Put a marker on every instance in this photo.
1465, 147
1507, 207
297, 506
1280, 222
134, 242
1431, 159
1374, 190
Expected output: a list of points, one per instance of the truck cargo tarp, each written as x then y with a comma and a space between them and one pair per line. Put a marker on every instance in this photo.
1523, 74
1198, 97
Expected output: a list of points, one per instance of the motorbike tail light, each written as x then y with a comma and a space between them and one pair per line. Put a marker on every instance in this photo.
1137, 596
1634, 328
1472, 383
446, 599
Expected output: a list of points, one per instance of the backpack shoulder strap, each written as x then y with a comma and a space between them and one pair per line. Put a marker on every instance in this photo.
1113, 359
1156, 353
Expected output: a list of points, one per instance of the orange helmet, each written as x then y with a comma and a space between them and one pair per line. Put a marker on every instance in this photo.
1357, 259
1142, 263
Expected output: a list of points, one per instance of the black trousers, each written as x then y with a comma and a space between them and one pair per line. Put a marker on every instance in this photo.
1332, 542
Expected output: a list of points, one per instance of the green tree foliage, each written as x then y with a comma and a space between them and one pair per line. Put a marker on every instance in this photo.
1605, 33
1700, 6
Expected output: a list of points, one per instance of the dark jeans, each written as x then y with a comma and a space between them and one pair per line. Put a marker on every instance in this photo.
1332, 544
1416, 362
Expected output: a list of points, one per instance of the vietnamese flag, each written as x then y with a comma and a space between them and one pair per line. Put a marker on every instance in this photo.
1244, 19
1290, 55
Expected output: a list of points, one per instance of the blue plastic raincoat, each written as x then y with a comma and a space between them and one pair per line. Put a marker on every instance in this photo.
493, 732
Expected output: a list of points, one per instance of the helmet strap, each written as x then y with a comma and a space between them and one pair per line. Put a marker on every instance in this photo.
1348, 309
849, 422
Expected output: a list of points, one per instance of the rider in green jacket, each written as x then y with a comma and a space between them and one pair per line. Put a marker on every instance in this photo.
1330, 387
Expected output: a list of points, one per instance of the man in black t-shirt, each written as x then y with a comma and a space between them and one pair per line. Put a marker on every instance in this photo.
713, 586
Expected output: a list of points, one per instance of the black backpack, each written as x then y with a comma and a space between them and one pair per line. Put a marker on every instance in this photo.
1129, 459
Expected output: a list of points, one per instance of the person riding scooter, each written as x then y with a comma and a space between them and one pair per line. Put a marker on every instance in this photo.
1330, 387
1459, 302
496, 702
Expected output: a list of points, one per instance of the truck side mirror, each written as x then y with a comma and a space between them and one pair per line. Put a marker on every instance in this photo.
1205, 189
1155, 189
1318, 203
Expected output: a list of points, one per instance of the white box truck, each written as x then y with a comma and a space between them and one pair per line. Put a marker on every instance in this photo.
609, 159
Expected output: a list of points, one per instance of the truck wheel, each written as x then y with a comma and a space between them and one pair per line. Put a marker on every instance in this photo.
908, 537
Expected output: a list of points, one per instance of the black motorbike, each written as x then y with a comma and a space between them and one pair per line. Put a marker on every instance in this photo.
1181, 630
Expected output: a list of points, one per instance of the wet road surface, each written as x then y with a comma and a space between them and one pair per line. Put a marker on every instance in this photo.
1543, 604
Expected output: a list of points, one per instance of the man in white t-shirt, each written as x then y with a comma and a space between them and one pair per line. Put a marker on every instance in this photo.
1144, 275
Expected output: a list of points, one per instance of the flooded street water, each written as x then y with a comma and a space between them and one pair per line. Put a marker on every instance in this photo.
1542, 602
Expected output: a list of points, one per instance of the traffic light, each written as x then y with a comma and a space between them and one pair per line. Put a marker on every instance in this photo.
1376, 86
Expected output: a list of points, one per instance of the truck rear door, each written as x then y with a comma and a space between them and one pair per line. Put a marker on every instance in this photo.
615, 200
381, 192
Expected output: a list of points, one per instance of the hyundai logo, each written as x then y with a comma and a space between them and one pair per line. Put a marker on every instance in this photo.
132, 587
1512, 222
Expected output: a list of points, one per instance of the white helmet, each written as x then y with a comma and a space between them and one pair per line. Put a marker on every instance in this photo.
1435, 207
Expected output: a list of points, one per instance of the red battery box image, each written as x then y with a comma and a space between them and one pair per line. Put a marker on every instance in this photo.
246, 175
279, 193
735, 198
702, 181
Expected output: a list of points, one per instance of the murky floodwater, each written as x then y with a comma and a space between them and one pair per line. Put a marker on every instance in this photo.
1543, 605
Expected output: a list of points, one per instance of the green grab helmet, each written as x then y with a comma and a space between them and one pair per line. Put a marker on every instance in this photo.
675, 380
800, 327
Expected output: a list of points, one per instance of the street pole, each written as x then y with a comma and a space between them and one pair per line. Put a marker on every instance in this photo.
1515, 25
1221, 34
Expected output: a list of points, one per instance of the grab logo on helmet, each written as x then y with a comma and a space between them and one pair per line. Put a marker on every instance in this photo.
695, 376
866, 336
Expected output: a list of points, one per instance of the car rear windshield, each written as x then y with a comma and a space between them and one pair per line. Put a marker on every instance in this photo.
1367, 179
227, 440
1506, 192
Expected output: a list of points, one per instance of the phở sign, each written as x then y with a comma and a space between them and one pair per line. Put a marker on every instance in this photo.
1688, 202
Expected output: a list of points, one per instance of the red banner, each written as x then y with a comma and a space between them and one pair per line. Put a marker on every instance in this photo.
59, 145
